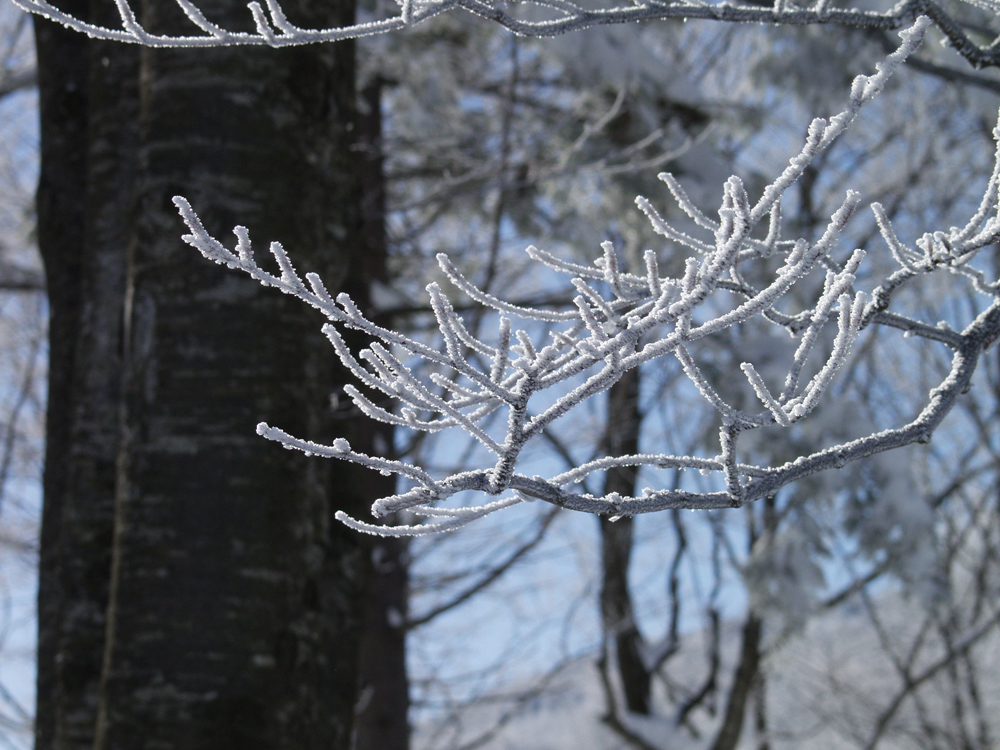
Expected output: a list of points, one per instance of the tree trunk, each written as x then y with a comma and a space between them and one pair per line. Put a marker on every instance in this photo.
742, 687
383, 697
617, 617
225, 610
88, 103
381, 721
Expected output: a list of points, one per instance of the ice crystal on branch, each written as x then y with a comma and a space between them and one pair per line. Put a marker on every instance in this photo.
543, 19
624, 318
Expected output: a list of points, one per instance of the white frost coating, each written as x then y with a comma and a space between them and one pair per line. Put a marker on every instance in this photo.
550, 19
622, 320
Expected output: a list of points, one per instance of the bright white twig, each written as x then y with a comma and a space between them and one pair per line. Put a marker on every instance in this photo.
764, 394
198, 19
340, 448
568, 17
456, 520
622, 320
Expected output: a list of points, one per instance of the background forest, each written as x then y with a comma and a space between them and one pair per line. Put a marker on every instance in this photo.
853, 609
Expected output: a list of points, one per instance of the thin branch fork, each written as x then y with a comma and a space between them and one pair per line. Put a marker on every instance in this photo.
590, 346
275, 30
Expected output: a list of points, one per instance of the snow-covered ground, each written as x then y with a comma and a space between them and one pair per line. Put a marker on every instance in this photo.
830, 687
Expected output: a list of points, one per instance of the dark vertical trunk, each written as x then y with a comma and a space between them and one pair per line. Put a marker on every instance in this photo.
194, 592
381, 721
760, 714
235, 609
617, 616
63, 104
747, 670
760, 531
383, 697
88, 110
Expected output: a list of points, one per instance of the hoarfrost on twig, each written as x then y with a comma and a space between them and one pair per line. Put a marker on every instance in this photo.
622, 320
550, 19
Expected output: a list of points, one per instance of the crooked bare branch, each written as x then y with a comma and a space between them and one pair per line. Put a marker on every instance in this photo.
532, 18
622, 320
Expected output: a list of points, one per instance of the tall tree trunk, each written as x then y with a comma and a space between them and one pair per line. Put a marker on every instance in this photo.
383, 698
60, 225
225, 609
617, 617
760, 531
235, 609
88, 106
744, 679
381, 721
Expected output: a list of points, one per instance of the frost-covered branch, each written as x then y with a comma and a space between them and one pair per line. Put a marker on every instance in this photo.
623, 320
533, 18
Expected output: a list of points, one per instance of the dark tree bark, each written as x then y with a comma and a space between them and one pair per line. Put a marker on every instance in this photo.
761, 531
88, 108
617, 617
195, 592
734, 716
62, 174
381, 721
383, 698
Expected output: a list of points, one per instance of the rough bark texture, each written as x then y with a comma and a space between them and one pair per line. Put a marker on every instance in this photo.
194, 590
88, 108
617, 617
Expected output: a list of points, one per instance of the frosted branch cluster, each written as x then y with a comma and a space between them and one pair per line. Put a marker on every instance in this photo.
624, 319
535, 18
